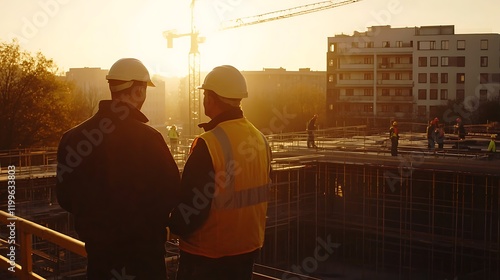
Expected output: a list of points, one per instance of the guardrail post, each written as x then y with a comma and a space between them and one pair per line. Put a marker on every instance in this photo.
26, 260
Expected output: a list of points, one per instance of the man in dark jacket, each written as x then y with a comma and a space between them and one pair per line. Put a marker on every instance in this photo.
311, 127
117, 177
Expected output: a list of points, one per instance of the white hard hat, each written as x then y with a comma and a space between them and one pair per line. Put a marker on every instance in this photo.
226, 81
129, 69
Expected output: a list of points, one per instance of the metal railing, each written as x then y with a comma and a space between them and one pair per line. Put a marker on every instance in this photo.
22, 267
26, 230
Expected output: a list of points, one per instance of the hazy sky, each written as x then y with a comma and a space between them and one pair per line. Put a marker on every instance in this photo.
95, 33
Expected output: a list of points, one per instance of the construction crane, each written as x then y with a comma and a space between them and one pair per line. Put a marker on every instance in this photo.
194, 54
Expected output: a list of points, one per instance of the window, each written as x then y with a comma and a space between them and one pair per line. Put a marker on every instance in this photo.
433, 95
484, 44
483, 95
398, 60
332, 47
444, 94
399, 76
484, 61
445, 44
368, 60
355, 44
434, 61
427, 45
444, 61
399, 92
369, 44
386, 44
424, 45
368, 76
460, 78
460, 95
399, 44
368, 92
367, 108
349, 92
422, 78
422, 94
433, 78
344, 76
421, 110
444, 78
385, 92
385, 76
461, 45
330, 62
330, 78
422, 61
483, 78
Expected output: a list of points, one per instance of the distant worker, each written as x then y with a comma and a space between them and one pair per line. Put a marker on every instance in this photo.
222, 215
492, 147
311, 127
431, 135
116, 176
173, 135
440, 136
394, 137
460, 129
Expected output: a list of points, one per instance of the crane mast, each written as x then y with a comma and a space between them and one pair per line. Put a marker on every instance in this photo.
194, 54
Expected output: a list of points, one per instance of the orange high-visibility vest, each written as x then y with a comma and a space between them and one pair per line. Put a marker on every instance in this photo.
237, 219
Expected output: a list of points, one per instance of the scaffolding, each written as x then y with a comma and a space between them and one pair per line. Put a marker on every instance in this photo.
344, 210
382, 223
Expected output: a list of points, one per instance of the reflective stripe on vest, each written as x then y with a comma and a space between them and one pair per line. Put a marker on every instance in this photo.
232, 199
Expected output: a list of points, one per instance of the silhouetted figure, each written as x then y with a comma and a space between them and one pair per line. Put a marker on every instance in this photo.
394, 137
440, 136
173, 135
460, 129
116, 176
311, 127
431, 135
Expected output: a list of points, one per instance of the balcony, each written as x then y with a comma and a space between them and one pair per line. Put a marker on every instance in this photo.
355, 83
408, 83
394, 99
355, 66
378, 51
396, 66
356, 98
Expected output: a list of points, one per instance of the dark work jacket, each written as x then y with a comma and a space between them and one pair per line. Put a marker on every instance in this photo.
118, 178
198, 172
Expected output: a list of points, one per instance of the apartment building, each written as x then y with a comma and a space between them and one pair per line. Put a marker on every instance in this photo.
408, 73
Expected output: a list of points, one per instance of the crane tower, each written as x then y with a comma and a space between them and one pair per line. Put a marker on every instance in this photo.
194, 54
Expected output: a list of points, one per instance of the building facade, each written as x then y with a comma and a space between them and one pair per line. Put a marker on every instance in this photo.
281, 100
408, 73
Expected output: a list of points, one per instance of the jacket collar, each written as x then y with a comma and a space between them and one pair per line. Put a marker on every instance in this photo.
122, 110
231, 114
